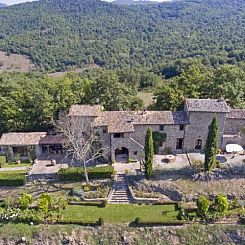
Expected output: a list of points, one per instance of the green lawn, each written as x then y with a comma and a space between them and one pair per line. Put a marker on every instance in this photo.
120, 213
14, 165
12, 178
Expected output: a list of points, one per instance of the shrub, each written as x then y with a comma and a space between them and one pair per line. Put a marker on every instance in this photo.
77, 191
24, 201
101, 221
76, 174
44, 202
218, 164
203, 205
221, 203
137, 221
234, 203
104, 203
87, 188
3, 161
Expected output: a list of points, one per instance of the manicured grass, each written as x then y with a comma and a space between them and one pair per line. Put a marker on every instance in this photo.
120, 213
14, 165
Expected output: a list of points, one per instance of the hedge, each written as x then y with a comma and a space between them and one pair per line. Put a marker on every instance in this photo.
139, 223
12, 178
95, 204
74, 222
77, 174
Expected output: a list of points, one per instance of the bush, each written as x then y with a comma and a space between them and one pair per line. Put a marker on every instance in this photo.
104, 203
3, 161
158, 223
86, 188
101, 221
203, 205
137, 221
218, 164
234, 203
24, 201
76, 174
221, 203
44, 202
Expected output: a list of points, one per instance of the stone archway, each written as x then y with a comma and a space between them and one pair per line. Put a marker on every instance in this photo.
121, 154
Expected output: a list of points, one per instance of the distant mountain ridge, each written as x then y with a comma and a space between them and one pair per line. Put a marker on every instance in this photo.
130, 2
2, 5
61, 34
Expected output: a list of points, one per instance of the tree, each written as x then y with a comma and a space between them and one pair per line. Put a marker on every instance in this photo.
203, 205
149, 153
221, 203
211, 145
82, 142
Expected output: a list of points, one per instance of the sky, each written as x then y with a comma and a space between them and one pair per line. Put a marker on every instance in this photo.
10, 2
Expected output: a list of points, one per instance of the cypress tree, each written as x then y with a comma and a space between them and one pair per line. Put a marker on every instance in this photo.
149, 153
211, 145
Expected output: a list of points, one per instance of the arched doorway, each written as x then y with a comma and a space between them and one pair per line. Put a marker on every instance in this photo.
121, 154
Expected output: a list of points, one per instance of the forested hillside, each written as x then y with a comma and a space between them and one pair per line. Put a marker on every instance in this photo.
57, 34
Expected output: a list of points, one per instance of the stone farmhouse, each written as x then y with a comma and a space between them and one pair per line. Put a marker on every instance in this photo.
123, 132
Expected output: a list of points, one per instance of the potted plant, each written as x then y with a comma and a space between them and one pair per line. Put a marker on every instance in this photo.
17, 159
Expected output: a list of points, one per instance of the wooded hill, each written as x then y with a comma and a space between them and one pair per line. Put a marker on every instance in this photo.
57, 34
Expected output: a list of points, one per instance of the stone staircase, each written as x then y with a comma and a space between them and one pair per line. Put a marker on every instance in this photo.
120, 191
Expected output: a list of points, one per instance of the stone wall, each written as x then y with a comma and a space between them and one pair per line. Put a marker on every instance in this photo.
233, 126
198, 129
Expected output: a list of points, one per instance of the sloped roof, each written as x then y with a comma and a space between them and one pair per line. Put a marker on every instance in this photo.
52, 140
124, 121
236, 114
21, 139
206, 105
85, 110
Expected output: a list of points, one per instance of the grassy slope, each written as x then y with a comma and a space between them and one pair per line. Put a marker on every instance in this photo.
120, 213
112, 234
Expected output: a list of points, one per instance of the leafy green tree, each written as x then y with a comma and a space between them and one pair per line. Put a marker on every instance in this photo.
221, 203
203, 205
149, 153
211, 145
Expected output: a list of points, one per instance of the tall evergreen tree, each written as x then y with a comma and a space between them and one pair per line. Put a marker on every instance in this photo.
149, 153
211, 145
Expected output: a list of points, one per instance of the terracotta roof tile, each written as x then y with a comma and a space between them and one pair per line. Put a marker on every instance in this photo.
236, 114
85, 110
206, 105
19, 139
124, 121
52, 139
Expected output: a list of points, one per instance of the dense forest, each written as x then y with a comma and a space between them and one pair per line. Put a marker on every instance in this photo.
58, 34
30, 101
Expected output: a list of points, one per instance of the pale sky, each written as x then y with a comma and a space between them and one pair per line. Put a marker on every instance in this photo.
10, 2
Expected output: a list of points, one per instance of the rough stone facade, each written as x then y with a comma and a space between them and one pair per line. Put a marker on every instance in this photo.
123, 132
185, 131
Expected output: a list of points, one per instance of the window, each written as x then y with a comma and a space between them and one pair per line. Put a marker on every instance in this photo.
135, 153
181, 127
179, 144
119, 135
161, 127
198, 145
104, 131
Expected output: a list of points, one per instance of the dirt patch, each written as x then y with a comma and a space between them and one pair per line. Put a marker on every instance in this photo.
77, 70
14, 62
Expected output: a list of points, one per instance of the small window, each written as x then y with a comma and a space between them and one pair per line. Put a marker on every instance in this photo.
181, 127
198, 145
135, 153
161, 127
104, 131
119, 135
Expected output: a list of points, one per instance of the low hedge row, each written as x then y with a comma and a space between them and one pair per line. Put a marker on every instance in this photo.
74, 222
77, 174
139, 223
94, 204
12, 179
